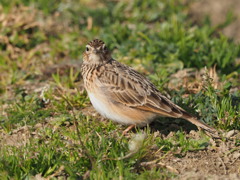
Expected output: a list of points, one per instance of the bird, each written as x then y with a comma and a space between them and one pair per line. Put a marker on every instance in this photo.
120, 93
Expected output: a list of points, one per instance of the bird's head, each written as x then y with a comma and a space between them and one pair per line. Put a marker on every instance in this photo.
96, 52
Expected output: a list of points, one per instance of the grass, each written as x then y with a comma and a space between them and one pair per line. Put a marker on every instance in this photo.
41, 91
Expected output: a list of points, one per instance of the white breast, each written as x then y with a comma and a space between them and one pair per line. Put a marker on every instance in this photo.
106, 110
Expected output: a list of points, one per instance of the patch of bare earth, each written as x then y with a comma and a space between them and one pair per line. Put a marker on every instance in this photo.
220, 160
213, 163
218, 11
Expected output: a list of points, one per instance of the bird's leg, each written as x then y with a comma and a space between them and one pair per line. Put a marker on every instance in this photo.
128, 129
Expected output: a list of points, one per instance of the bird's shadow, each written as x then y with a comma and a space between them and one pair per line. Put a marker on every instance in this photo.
167, 125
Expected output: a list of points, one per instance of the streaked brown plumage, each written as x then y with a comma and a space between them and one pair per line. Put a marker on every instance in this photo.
120, 93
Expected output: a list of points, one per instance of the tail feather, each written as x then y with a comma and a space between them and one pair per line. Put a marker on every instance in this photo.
202, 125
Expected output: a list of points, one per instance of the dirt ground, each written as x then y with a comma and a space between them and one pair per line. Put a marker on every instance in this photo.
215, 163
217, 11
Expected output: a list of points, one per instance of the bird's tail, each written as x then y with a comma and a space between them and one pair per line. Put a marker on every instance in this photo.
202, 125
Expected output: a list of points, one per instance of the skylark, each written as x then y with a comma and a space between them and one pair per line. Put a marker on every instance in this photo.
121, 94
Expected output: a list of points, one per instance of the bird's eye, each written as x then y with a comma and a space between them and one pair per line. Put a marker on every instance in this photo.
104, 48
87, 49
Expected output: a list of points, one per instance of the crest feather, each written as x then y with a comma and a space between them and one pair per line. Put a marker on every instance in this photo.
96, 43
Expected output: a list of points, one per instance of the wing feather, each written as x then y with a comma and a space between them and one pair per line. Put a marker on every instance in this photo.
134, 90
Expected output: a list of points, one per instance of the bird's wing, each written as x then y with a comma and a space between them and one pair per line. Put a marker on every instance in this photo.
128, 87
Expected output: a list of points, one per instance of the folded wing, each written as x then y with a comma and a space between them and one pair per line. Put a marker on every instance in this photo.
132, 89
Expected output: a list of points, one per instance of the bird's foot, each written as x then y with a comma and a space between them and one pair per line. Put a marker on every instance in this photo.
128, 129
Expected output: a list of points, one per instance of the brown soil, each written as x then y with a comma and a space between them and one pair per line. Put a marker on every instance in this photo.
217, 11
220, 160
207, 164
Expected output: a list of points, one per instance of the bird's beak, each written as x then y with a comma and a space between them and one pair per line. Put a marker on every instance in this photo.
96, 51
